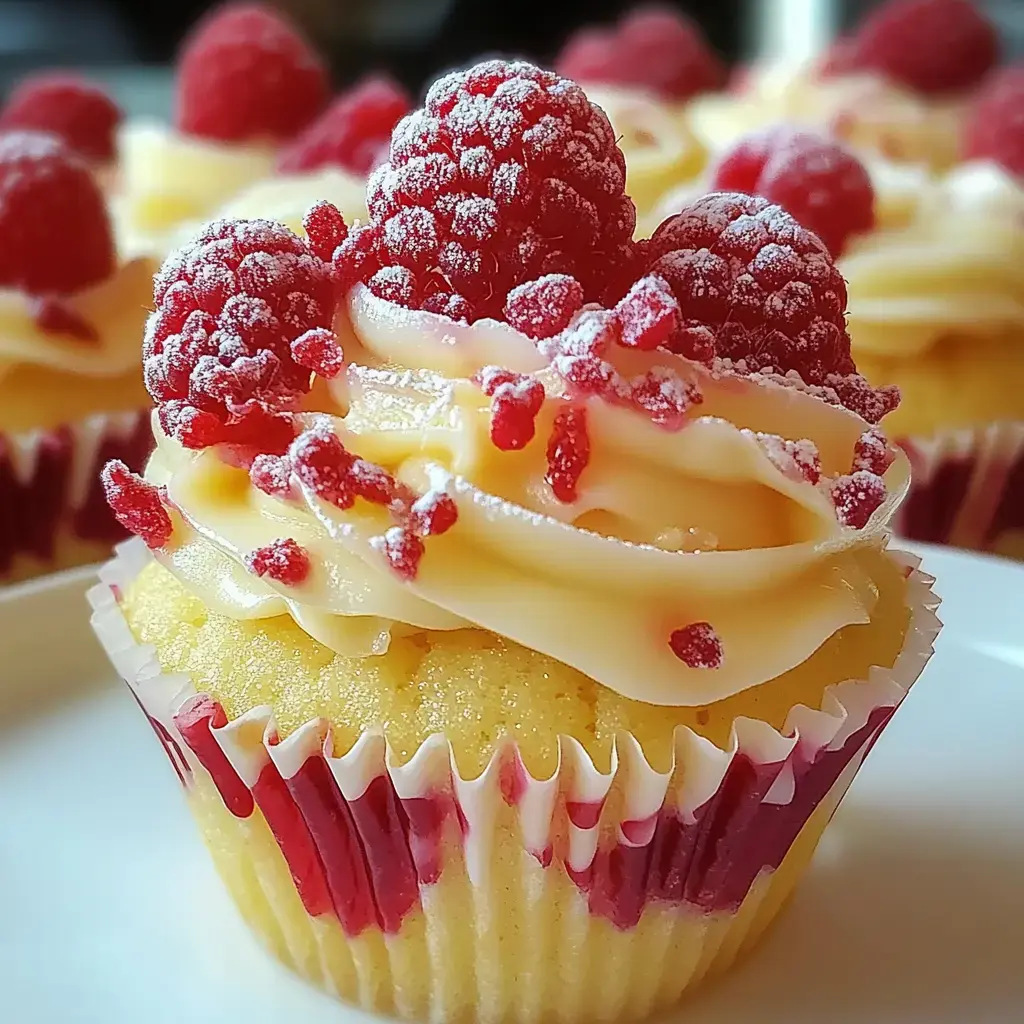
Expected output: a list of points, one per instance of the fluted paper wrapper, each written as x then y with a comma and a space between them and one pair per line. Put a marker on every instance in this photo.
967, 489
52, 509
412, 890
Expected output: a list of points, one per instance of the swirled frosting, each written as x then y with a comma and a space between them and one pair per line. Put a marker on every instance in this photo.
707, 523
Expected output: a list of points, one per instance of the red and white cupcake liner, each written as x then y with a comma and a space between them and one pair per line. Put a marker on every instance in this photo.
967, 486
49, 483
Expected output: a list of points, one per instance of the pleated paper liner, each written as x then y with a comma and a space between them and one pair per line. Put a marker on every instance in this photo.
967, 489
52, 510
410, 890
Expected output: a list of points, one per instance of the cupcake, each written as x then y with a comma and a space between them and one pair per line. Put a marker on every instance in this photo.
508, 621
898, 86
70, 396
246, 84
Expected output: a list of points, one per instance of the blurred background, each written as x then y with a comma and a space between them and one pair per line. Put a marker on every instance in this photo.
130, 43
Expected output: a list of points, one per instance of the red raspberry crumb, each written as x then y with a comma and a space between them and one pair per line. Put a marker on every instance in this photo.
246, 75
795, 459
821, 183
856, 497
403, 551
371, 482
544, 307
516, 399
664, 396
54, 316
53, 218
568, 452
931, 46
272, 474
64, 104
217, 351
319, 350
284, 561
653, 47
136, 504
507, 174
762, 291
872, 453
994, 128
325, 228
353, 132
322, 463
697, 645
648, 315
433, 514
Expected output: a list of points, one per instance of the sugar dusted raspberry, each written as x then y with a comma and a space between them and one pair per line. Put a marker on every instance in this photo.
353, 132
284, 561
319, 350
64, 104
872, 453
664, 396
994, 128
136, 504
506, 175
568, 452
544, 307
856, 497
823, 185
697, 645
653, 47
217, 351
325, 228
796, 459
53, 218
403, 551
931, 46
246, 75
433, 514
648, 315
763, 291
516, 399
321, 462
272, 474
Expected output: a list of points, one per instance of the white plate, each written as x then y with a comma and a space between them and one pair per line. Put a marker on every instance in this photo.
913, 911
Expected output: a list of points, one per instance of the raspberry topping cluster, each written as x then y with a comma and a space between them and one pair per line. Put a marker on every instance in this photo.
137, 505
507, 174
284, 561
821, 183
653, 47
994, 129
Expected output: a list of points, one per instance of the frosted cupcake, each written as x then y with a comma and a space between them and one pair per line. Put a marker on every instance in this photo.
527, 621
246, 84
70, 394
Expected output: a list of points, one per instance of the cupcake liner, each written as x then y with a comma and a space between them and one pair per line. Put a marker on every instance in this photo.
49, 483
968, 487
383, 881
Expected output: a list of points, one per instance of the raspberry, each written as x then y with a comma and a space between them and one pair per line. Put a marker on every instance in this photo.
272, 474
284, 561
796, 459
930, 46
856, 497
653, 47
402, 549
53, 218
318, 350
433, 514
217, 351
78, 112
648, 315
507, 174
994, 128
697, 645
763, 291
872, 453
352, 133
544, 307
246, 75
324, 465
516, 399
822, 184
568, 453
136, 504
325, 228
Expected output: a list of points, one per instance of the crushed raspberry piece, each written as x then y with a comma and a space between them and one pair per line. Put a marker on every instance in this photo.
64, 104
353, 132
272, 474
433, 514
325, 228
872, 453
323, 464
217, 351
648, 315
760, 289
544, 307
284, 561
856, 497
507, 174
245, 74
319, 350
653, 47
516, 399
823, 185
402, 549
931, 46
796, 459
994, 127
56, 317
697, 645
136, 504
56, 233
664, 396
568, 452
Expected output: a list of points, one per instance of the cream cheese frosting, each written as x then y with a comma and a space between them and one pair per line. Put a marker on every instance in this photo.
712, 522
